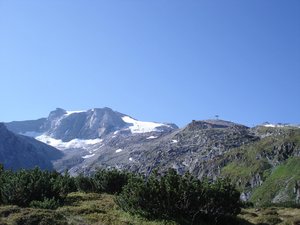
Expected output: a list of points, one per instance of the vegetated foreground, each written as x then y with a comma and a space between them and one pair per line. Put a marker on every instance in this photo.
79, 208
29, 197
164, 197
92, 208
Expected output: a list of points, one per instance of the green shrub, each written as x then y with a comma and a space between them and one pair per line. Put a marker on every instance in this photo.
84, 183
24, 186
109, 181
172, 196
47, 203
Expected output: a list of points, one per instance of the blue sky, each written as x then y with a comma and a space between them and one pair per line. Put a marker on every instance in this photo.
158, 60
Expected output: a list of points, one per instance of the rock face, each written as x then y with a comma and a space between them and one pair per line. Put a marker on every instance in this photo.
194, 147
89, 124
297, 191
17, 151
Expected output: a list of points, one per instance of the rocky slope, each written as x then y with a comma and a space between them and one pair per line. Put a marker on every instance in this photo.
17, 151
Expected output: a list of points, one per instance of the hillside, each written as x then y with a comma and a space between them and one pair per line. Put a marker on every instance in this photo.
268, 167
18, 151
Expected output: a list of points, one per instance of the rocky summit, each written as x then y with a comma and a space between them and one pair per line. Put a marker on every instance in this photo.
262, 161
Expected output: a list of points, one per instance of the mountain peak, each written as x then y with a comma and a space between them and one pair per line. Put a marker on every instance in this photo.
57, 113
208, 124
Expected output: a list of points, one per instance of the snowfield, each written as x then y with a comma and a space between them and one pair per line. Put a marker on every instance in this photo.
72, 112
141, 126
75, 143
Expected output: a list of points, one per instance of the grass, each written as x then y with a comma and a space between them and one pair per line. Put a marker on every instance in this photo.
271, 216
95, 208
79, 209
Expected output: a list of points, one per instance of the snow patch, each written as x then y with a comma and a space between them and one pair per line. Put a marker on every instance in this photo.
119, 150
174, 141
130, 159
141, 126
272, 125
75, 143
279, 125
151, 137
88, 156
72, 112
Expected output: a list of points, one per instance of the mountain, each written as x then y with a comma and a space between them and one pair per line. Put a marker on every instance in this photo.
84, 125
263, 161
17, 151
83, 135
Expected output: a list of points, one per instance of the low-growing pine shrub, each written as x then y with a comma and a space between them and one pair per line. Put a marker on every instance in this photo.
47, 203
172, 196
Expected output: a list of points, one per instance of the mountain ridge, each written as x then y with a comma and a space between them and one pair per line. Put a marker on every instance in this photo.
88, 124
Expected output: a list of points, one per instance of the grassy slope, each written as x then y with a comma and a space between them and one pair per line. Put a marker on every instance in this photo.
244, 167
280, 183
245, 160
101, 209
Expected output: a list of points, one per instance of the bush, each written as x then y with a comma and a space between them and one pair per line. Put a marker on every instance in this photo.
24, 186
84, 184
109, 181
45, 204
172, 196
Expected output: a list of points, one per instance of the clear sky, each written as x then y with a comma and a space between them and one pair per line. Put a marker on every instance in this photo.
158, 60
